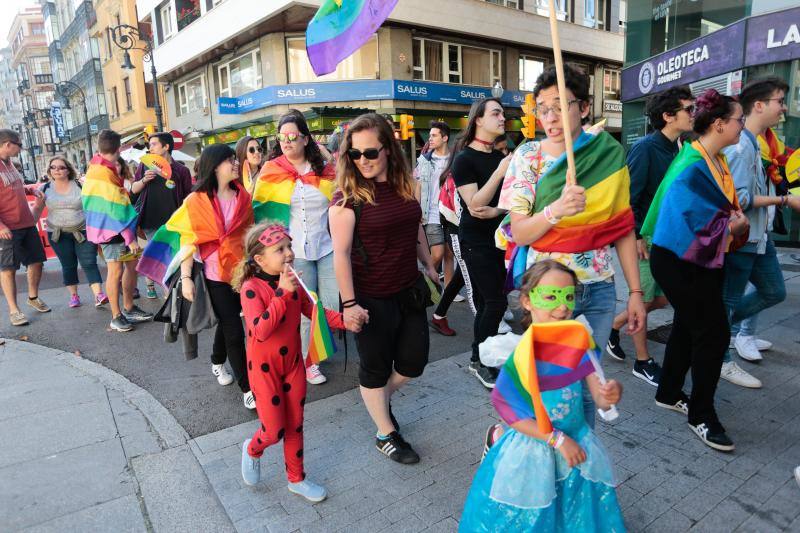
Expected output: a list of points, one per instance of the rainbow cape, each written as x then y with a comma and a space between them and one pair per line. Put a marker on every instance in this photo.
106, 204
272, 195
198, 225
689, 214
774, 155
340, 27
321, 344
549, 356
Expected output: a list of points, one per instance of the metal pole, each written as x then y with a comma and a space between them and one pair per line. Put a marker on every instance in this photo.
33, 155
159, 118
89, 154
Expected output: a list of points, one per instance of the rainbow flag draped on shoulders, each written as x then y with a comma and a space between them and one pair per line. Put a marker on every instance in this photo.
690, 213
275, 185
106, 203
549, 356
340, 27
197, 226
321, 344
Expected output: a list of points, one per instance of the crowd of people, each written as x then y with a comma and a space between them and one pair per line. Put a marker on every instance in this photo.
256, 241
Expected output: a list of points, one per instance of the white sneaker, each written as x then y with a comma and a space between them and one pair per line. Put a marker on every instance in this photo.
762, 345
503, 328
746, 348
459, 298
308, 490
734, 373
222, 375
508, 316
249, 400
314, 376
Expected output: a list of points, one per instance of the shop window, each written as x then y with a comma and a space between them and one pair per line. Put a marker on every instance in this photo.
464, 64
191, 95
611, 83
240, 75
530, 68
361, 65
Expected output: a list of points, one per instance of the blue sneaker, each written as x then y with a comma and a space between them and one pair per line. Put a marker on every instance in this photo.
251, 467
309, 490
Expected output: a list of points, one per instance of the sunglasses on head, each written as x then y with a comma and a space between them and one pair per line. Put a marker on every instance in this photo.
369, 153
289, 137
254, 149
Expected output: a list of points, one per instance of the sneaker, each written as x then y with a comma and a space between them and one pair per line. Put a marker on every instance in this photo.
136, 315
18, 319
613, 348
487, 376
734, 373
491, 438
746, 348
648, 371
715, 438
101, 299
308, 490
249, 400
503, 328
508, 316
314, 376
762, 345
151, 293
440, 325
39, 305
458, 299
120, 323
681, 406
251, 466
397, 449
222, 375
392, 418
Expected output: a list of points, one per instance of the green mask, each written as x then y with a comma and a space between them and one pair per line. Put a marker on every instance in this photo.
549, 297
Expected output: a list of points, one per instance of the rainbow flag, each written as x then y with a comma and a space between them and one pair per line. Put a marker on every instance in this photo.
106, 204
340, 27
321, 344
774, 155
601, 170
689, 214
272, 195
549, 356
197, 225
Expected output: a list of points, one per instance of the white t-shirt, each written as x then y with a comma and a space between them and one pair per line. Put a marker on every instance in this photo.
439, 162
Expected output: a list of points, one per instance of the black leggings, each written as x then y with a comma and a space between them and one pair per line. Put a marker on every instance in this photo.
229, 337
487, 273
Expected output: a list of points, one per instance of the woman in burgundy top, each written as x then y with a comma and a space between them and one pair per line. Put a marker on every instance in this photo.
377, 235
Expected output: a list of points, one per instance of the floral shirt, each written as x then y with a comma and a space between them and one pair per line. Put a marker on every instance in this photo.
517, 196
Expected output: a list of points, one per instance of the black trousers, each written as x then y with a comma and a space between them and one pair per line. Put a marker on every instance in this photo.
700, 332
229, 336
487, 274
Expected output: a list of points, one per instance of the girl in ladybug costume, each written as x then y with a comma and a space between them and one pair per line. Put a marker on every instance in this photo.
272, 305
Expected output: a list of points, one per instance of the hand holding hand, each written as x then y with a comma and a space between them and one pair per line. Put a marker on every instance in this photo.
355, 317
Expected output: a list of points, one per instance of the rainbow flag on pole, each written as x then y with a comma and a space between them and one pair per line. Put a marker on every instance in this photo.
106, 204
549, 356
340, 27
321, 344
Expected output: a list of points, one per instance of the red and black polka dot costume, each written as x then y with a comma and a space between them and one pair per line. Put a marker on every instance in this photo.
275, 365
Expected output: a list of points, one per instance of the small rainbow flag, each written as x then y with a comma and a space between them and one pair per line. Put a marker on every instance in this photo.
321, 344
275, 185
106, 204
774, 155
340, 27
549, 356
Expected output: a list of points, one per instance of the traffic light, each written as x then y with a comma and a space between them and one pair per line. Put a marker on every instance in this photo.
529, 117
148, 131
406, 126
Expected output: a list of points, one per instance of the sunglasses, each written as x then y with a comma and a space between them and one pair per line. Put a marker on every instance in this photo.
689, 109
15, 142
53, 167
369, 153
254, 149
289, 137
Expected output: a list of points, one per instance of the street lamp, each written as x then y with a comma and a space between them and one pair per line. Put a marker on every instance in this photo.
125, 37
497, 90
62, 89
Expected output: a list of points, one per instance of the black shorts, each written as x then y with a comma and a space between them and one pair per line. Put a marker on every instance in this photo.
394, 339
24, 247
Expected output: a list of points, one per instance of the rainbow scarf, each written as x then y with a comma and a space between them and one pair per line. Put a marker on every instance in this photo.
340, 27
198, 224
689, 214
549, 356
774, 155
106, 203
272, 195
321, 344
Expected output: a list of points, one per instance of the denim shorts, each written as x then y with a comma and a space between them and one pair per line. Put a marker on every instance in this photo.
113, 251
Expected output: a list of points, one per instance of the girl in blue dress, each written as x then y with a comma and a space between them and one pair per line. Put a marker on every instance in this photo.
532, 480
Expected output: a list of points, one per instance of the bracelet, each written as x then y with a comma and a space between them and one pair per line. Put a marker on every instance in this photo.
560, 440
784, 200
640, 291
186, 277
553, 440
548, 215
349, 303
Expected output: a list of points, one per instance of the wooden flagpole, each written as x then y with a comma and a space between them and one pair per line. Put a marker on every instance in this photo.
562, 92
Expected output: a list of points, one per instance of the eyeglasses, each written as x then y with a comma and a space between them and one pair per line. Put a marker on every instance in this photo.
289, 137
689, 109
53, 167
542, 110
254, 149
232, 160
741, 120
369, 153
781, 101
15, 142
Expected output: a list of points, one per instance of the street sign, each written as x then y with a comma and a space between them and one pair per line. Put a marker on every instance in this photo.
178, 138
58, 119
93, 128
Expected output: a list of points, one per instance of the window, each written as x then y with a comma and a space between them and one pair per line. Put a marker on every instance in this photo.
611, 83
191, 95
529, 70
240, 75
187, 12
513, 4
562, 9
37, 28
128, 101
114, 102
594, 14
361, 65
166, 16
149, 93
41, 65
44, 99
455, 63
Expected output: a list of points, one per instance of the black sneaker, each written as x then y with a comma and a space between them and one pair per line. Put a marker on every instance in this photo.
397, 449
487, 376
713, 435
680, 406
392, 418
488, 441
136, 315
120, 323
648, 371
613, 348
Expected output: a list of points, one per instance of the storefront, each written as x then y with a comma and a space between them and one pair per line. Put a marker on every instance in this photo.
711, 43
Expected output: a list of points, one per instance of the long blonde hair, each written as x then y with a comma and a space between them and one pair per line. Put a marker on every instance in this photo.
352, 184
247, 267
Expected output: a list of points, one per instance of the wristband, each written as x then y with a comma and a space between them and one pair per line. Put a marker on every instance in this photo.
349, 303
640, 291
560, 440
554, 438
548, 215
186, 277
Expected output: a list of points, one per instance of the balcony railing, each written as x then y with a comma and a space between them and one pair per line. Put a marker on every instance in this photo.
42, 79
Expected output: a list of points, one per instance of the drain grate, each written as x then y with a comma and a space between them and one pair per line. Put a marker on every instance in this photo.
660, 334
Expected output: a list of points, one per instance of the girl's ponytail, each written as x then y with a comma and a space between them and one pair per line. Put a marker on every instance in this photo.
245, 270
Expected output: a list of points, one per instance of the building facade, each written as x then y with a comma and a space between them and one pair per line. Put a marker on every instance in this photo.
10, 105
227, 75
712, 43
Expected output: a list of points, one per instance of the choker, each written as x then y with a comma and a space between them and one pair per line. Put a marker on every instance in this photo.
485, 143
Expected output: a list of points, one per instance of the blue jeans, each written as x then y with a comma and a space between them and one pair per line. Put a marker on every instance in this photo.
764, 272
597, 302
70, 252
320, 278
